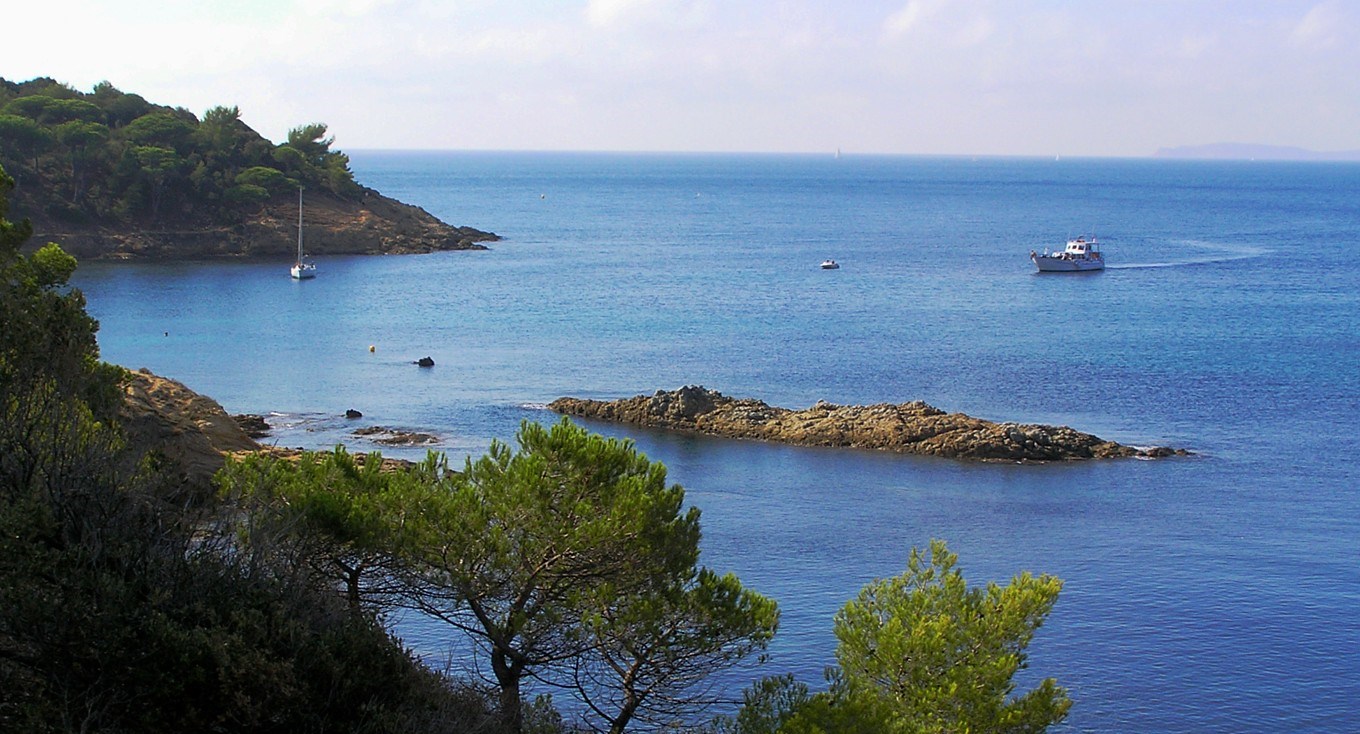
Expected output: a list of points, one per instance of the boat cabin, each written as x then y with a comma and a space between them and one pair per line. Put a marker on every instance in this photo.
1082, 247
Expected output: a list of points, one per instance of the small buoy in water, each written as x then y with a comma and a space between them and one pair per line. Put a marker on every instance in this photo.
372, 348
542, 196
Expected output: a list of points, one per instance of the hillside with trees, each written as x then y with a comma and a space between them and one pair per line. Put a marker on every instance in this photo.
110, 174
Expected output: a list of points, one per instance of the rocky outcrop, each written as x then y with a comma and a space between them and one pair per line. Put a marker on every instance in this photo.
196, 435
254, 426
190, 430
367, 224
914, 427
395, 436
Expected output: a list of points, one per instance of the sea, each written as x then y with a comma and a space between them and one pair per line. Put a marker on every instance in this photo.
1218, 592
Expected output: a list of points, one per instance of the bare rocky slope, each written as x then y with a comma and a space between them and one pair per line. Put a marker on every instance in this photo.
914, 427
189, 429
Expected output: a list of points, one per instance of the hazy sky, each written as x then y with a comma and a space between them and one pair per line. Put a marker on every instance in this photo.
1026, 77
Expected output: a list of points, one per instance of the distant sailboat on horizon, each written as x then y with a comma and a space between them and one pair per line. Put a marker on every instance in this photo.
302, 269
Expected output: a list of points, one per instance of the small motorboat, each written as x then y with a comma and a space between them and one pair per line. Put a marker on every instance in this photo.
830, 265
1080, 255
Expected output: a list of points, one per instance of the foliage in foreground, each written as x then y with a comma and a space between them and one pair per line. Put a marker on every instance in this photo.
923, 653
569, 561
117, 611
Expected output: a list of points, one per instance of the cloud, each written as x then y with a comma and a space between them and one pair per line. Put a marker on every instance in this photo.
961, 26
622, 13
978, 30
907, 18
1319, 27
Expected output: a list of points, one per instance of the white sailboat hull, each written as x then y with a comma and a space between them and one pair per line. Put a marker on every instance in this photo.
303, 272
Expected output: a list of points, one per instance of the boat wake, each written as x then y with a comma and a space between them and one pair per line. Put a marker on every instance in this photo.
1213, 253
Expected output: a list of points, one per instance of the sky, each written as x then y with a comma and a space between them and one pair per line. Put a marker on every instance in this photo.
962, 77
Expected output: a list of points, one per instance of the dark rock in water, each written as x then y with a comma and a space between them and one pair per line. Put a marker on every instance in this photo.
425, 362
253, 425
352, 414
1161, 452
913, 427
396, 437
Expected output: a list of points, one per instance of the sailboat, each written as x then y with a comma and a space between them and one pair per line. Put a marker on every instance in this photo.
302, 269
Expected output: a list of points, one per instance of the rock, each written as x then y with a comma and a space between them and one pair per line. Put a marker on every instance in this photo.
367, 223
425, 362
190, 430
196, 435
254, 426
913, 427
395, 437
352, 414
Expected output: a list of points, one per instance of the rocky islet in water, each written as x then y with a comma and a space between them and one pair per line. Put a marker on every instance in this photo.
915, 427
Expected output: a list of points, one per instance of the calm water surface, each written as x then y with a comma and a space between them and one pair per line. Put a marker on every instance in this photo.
1213, 593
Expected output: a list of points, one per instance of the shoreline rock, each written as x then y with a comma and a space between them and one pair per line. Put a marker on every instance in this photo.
192, 430
367, 224
395, 436
914, 428
254, 426
195, 433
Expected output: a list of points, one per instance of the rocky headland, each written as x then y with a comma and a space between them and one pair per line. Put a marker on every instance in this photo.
191, 430
915, 428
196, 435
366, 224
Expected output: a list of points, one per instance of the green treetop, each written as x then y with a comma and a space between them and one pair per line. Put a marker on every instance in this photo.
922, 653
109, 156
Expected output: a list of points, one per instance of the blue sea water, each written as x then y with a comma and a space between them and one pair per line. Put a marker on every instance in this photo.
1213, 593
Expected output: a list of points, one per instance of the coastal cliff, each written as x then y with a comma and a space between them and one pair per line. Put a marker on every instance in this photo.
368, 224
915, 427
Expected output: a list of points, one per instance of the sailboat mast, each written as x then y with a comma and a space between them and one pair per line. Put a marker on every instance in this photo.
299, 259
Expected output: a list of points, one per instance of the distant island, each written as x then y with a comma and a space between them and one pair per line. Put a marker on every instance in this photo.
1254, 152
110, 175
912, 428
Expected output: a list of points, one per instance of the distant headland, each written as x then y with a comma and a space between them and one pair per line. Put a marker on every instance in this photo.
915, 428
109, 175
1254, 152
